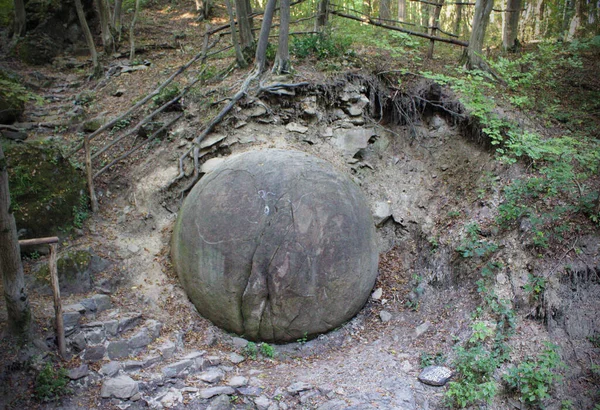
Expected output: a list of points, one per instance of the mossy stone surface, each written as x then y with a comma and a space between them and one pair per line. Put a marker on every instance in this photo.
47, 192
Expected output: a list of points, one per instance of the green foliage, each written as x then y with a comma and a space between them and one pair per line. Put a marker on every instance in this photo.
320, 46
481, 332
534, 377
267, 350
81, 212
251, 350
120, 125
475, 367
473, 246
6, 12
166, 95
595, 340
51, 383
303, 339
535, 286
428, 359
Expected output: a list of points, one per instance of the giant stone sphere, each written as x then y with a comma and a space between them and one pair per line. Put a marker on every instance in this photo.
276, 245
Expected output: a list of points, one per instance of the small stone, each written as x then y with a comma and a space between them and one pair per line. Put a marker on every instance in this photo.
215, 391
89, 304
95, 336
335, 404
131, 365
154, 327
381, 213
212, 140
239, 342
175, 369
213, 360
118, 349
422, 328
119, 92
140, 340
256, 111
327, 133
94, 353
238, 381
14, 135
167, 349
71, 319
236, 358
78, 372
150, 361
110, 369
211, 376
102, 302
295, 127
78, 342
121, 387
129, 322
133, 248
111, 327
262, 402
250, 391
385, 316
221, 402
297, 387
377, 294
435, 375
172, 398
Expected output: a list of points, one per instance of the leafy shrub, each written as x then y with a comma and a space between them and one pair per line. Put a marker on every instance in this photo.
166, 95
267, 350
251, 350
51, 383
321, 46
534, 377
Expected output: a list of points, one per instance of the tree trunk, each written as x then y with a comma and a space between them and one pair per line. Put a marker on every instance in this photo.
385, 10
11, 269
538, 19
20, 23
263, 40
322, 15
282, 60
401, 10
241, 61
97, 68
424, 16
107, 38
243, 11
472, 56
117, 19
132, 32
434, 24
458, 21
511, 24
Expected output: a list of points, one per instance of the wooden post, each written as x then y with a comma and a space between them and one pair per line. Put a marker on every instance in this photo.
60, 328
90, 175
435, 22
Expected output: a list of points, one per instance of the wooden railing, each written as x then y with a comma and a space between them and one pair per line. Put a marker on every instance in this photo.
59, 325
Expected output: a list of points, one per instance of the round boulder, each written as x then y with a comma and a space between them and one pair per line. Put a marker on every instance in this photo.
276, 245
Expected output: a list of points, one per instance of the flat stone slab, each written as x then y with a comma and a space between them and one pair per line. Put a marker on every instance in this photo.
121, 387
215, 391
173, 370
435, 375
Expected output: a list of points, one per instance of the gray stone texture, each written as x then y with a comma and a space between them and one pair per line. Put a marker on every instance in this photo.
118, 349
121, 387
285, 249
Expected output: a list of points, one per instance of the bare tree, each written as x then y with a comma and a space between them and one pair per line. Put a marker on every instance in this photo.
282, 60
385, 10
322, 15
132, 32
117, 19
472, 55
263, 40
241, 61
401, 10
244, 21
97, 68
511, 24
20, 18
107, 38
11, 269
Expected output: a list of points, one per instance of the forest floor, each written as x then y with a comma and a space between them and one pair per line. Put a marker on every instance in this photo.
430, 173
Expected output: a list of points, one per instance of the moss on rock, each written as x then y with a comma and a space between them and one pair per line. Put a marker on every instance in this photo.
47, 192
